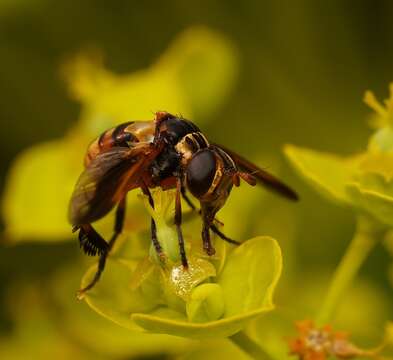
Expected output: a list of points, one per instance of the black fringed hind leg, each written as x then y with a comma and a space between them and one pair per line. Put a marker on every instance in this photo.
90, 240
153, 227
213, 227
119, 222
178, 220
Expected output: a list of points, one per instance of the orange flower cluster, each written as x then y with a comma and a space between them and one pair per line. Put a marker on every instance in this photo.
320, 343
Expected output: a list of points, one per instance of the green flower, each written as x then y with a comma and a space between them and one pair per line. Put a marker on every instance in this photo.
215, 297
192, 77
362, 181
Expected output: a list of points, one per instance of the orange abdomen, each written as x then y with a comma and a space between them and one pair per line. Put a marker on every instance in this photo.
125, 134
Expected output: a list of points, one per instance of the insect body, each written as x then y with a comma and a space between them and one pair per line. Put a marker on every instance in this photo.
169, 152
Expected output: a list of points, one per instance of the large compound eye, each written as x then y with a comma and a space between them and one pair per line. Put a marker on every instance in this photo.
200, 172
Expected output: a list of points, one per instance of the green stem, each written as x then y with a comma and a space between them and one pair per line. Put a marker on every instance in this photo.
360, 247
249, 346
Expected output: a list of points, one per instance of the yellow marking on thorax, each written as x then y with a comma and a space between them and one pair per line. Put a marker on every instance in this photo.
188, 150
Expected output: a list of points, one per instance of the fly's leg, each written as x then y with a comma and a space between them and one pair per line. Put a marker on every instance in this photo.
119, 222
216, 230
213, 227
187, 199
207, 245
153, 227
178, 220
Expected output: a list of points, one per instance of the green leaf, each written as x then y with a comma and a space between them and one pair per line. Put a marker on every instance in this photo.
327, 173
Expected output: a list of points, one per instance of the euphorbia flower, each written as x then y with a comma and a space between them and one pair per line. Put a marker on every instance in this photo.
362, 181
215, 297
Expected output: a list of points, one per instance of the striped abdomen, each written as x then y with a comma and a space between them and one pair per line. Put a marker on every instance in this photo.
124, 135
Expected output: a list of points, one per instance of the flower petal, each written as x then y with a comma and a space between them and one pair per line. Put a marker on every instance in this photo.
114, 297
213, 329
250, 276
376, 203
258, 261
327, 173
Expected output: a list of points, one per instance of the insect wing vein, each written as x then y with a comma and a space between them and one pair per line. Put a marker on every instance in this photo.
102, 183
263, 177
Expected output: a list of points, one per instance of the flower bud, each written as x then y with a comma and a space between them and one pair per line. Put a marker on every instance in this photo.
165, 233
206, 303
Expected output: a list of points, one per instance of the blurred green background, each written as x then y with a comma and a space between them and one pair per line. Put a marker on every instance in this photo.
303, 67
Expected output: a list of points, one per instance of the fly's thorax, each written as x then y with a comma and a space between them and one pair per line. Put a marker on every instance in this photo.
189, 145
174, 128
165, 165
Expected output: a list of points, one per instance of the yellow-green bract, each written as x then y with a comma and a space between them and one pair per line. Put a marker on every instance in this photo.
363, 181
247, 281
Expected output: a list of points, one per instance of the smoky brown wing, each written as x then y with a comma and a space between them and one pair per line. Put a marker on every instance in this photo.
263, 177
103, 183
